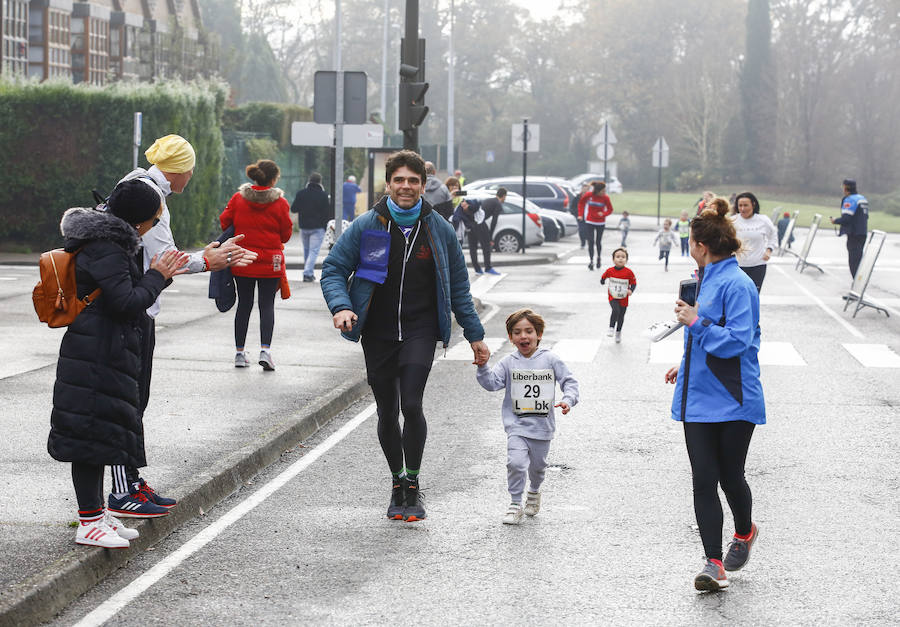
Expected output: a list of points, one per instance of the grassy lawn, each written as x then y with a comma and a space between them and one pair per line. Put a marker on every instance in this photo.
672, 204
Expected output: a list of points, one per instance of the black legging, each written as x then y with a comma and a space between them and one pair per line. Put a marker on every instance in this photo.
397, 373
245, 288
88, 482
617, 317
855, 246
479, 236
757, 273
717, 451
592, 232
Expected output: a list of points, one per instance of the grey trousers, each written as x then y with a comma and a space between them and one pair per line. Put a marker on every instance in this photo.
525, 456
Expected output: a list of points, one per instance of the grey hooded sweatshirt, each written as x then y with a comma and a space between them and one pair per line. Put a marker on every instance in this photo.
530, 384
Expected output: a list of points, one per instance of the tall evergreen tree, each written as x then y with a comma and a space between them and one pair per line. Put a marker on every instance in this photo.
759, 102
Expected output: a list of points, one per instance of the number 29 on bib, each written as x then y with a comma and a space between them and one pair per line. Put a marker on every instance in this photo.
532, 392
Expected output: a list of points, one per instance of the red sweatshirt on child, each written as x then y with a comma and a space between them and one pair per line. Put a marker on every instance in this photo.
593, 208
620, 281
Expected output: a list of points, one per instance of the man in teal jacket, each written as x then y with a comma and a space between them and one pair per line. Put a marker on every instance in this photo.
393, 279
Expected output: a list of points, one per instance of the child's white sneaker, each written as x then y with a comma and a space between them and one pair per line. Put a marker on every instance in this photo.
611, 331
98, 533
532, 503
513, 514
618, 337
116, 525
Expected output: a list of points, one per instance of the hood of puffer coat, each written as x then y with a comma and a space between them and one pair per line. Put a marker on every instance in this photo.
259, 198
82, 224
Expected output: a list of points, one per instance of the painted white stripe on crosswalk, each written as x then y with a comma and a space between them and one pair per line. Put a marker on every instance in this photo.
483, 284
667, 352
576, 350
599, 297
779, 354
874, 355
463, 351
770, 353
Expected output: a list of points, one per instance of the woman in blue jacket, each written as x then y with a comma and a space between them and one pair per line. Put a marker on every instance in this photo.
718, 394
408, 275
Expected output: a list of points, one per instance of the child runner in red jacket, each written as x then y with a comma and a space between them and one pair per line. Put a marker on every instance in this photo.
622, 283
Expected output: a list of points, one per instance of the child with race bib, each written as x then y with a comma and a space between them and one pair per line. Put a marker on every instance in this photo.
529, 377
622, 284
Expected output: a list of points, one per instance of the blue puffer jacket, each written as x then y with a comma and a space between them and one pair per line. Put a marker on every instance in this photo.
343, 292
718, 380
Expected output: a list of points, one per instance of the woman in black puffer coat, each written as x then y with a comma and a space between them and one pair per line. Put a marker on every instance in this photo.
95, 419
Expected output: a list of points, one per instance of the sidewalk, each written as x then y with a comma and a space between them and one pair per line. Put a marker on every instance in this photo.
209, 427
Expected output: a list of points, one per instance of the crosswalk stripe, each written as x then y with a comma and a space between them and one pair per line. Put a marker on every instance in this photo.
779, 354
580, 350
874, 355
463, 352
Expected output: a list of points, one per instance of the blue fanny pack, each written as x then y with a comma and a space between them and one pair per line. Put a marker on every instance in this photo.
374, 249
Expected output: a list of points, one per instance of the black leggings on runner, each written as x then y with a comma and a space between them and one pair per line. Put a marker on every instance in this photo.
397, 373
717, 451
594, 232
245, 288
617, 317
757, 273
88, 482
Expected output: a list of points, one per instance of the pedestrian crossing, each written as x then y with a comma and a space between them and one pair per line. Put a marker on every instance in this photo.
587, 350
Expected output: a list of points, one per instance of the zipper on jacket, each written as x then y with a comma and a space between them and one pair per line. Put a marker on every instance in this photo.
687, 371
440, 286
407, 251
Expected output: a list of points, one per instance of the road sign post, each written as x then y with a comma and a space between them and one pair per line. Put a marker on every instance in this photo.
525, 139
604, 141
660, 161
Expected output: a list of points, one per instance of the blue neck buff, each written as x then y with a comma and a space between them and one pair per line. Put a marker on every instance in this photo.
404, 217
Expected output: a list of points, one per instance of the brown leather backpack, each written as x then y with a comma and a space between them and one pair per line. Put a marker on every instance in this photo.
55, 296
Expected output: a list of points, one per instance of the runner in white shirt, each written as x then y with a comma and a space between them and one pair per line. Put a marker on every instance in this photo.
758, 236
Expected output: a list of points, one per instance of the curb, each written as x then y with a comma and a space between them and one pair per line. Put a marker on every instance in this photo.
42, 596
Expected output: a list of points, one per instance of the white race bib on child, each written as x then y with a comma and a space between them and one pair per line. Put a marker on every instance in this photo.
532, 391
618, 288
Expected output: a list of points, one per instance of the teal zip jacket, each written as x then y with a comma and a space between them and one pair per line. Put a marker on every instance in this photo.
718, 380
343, 290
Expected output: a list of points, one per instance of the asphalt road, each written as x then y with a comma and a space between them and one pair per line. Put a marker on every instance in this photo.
615, 542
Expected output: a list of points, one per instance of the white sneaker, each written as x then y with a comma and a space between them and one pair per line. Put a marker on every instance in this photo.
618, 337
265, 360
611, 331
240, 360
116, 525
98, 533
513, 514
532, 503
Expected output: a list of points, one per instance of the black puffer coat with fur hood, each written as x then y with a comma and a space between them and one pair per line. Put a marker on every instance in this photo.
95, 417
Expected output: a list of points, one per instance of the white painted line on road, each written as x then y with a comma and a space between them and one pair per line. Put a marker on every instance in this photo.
667, 352
853, 331
779, 354
576, 350
109, 608
874, 355
21, 366
9, 278
483, 284
462, 351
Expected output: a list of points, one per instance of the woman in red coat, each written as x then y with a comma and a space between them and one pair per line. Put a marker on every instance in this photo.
262, 215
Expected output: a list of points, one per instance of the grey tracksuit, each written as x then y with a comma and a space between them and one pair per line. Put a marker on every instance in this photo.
528, 434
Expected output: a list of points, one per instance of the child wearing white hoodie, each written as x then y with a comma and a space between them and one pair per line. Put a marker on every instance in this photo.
529, 377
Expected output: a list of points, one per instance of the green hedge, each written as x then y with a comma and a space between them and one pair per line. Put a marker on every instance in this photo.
61, 141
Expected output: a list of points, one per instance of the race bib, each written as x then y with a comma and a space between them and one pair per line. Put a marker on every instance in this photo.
618, 288
532, 392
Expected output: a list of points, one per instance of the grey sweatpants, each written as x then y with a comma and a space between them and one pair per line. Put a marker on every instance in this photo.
525, 456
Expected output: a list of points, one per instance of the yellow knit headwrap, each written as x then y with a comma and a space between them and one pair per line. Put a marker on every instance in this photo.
172, 153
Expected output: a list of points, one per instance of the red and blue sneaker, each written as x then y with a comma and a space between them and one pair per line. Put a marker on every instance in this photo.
135, 505
151, 494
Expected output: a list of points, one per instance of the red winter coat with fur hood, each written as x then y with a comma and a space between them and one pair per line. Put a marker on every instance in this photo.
262, 215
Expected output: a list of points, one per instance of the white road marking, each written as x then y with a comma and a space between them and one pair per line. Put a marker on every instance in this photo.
9, 278
483, 284
779, 354
667, 351
565, 299
109, 608
20, 366
582, 350
461, 351
874, 355
818, 301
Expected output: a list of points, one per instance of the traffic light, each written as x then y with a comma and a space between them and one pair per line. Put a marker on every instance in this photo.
412, 105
